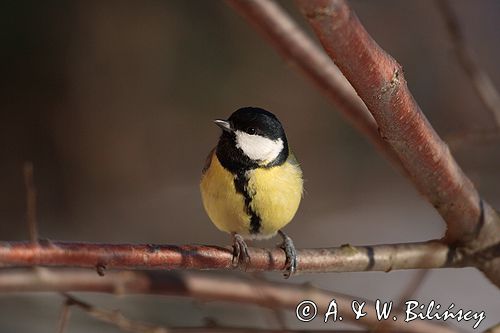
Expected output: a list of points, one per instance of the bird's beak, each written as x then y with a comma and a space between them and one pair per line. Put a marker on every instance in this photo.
224, 124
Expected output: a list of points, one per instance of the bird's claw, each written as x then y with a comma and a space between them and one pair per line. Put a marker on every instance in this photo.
291, 255
240, 251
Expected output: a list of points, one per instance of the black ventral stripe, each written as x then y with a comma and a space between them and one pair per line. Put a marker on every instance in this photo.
235, 161
240, 183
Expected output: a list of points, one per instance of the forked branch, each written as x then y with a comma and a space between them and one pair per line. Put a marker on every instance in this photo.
473, 226
378, 79
298, 48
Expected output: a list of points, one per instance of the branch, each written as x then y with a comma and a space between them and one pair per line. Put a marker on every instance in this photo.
408, 293
64, 317
480, 80
115, 318
275, 317
296, 47
346, 258
378, 79
118, 320
203, 287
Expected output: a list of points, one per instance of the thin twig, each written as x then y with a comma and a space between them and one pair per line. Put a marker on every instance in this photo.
481, 82
277, 314
204, 287
31, 210
64, 318
472, 137
408, 293
115, 318
346, 258
412, 287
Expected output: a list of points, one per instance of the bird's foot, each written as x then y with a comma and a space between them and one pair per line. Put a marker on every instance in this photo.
291, 255
240, 251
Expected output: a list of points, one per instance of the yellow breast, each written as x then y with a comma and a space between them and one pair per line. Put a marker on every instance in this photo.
275, 196
224, 206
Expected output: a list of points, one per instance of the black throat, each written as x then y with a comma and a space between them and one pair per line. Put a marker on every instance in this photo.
235, 161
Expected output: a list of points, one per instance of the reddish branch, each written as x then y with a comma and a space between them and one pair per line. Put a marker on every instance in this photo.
202, 287
378, 79
347, 258
296, 47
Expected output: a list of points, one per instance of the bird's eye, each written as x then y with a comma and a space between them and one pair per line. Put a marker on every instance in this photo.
251, 130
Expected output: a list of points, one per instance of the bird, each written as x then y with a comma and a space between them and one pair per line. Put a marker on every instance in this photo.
252, 184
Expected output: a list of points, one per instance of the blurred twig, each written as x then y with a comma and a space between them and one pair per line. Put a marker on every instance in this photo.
407, 294
277, 313
115, 318
410, 290
472, 137
480, 80
64, 318
206, 287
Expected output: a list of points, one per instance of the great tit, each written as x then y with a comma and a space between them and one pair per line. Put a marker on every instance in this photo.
251, 184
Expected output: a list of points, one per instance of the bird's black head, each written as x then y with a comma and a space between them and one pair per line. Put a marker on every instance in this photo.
252, 137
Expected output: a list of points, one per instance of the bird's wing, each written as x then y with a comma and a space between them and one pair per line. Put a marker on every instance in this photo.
208, 161
292, 159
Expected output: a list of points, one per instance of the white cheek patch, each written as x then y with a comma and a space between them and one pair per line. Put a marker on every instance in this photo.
258, 148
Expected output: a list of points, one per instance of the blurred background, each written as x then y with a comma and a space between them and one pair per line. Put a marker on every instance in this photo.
113, 102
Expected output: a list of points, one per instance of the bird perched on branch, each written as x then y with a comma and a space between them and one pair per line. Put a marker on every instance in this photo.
252, 184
